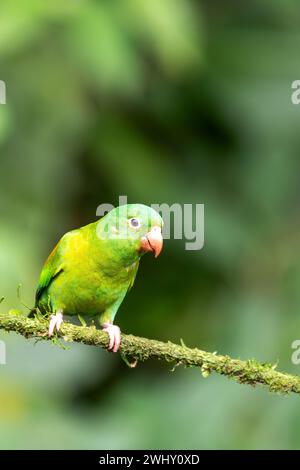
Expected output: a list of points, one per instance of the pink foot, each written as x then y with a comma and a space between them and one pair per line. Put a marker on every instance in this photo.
55, 323
114, 334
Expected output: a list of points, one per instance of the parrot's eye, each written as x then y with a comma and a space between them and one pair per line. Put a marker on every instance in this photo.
135, 223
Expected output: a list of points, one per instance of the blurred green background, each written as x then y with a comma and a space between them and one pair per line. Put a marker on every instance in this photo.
164, 101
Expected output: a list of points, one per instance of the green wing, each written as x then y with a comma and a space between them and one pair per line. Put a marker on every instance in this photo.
52, 268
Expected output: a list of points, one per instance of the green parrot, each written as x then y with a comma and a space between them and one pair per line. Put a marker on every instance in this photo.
92, 268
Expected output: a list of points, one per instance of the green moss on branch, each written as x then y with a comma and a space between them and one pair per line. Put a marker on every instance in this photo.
139, 349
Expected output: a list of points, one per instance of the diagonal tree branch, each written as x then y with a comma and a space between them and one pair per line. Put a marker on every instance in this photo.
140, 349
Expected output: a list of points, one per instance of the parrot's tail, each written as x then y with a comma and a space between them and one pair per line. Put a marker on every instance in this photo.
32, 313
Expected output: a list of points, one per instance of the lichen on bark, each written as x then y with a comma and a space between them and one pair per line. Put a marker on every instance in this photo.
139, 349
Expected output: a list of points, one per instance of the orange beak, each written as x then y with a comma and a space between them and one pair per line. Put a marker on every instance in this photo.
153, 241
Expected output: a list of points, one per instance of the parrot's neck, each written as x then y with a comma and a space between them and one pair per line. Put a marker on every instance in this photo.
114, 255
114, 252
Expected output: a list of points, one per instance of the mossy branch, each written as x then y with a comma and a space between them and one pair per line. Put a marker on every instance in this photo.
140, 349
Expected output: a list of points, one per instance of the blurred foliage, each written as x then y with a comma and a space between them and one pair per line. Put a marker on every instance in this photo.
165, 101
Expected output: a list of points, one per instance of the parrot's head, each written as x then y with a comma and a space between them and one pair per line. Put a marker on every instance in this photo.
135, 229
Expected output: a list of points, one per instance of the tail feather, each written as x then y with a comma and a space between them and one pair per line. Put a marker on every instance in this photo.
32, 313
